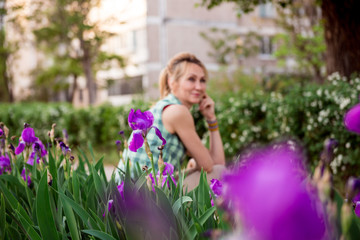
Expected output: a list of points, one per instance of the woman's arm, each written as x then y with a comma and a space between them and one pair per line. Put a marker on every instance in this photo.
178, 120
207, 109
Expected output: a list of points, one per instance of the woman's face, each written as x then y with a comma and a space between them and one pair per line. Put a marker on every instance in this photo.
191, 86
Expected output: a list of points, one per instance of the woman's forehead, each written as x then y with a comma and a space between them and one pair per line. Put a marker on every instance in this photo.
194, 69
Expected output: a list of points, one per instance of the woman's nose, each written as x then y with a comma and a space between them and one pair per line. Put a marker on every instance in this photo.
198, 85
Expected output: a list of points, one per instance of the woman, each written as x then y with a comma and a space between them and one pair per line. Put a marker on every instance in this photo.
182, 85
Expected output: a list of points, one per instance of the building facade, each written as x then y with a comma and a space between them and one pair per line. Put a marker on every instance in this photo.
149, 32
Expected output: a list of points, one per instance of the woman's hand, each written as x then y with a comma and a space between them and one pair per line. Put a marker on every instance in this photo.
207, 108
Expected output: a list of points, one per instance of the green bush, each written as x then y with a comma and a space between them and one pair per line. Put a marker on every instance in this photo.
310, 113
99, 125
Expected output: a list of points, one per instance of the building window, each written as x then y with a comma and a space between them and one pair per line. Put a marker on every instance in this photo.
266, 45
129, 85
266, 10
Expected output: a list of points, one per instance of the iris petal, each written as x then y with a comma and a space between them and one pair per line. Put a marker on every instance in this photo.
168, 169
28, 135
20, 147
357, 209
137, 141
140, 121
158, 133
352, 119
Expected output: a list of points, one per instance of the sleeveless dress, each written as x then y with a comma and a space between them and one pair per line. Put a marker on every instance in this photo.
174, 150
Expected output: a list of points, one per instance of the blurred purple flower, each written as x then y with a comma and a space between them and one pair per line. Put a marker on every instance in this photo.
65, 149
39, 148
270, 193
118, 145
5, 165
353, 193
1, 132
216, 187
28, 139
25, 176
32, 158
121, 189
357, 208
141, 123
110, 203
168, 171
352, 119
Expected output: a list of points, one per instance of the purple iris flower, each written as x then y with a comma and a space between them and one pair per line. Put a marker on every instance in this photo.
5, 165
32, 158
353, 193
168, 171
357, 208
271, 195
352, 119
216, 187
65, 149
121, 191
141, 123
25, 176
118, 145
28, 139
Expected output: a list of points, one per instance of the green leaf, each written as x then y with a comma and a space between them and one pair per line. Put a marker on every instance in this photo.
99, 221
70, 218
13, 181
177, 205
76, 187
201, 220
85, 217
91, 151
43, 211
140, 181
27, 227
13, 202
99, 185
52, 168
203, 191
99, 234
2, 217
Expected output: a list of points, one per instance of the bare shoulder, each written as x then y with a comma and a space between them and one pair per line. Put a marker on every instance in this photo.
176, 116
176, 111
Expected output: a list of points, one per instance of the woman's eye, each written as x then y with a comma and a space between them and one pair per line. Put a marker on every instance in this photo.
202, 80
191, 79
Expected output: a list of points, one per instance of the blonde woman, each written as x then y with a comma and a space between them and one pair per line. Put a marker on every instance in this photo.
183, 84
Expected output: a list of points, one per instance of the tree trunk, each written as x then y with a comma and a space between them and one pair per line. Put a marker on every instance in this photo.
342, 35
86, 62
74, 87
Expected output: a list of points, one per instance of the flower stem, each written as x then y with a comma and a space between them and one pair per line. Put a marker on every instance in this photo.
150, 155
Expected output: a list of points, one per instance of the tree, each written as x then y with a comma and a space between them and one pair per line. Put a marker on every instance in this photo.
228, 48
341, 30
303, 38
8, 48
72, 41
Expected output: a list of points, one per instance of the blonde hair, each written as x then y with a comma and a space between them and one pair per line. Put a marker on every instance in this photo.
176, 68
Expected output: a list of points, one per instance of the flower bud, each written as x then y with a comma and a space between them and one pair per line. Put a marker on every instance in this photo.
161, 161
52, 132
